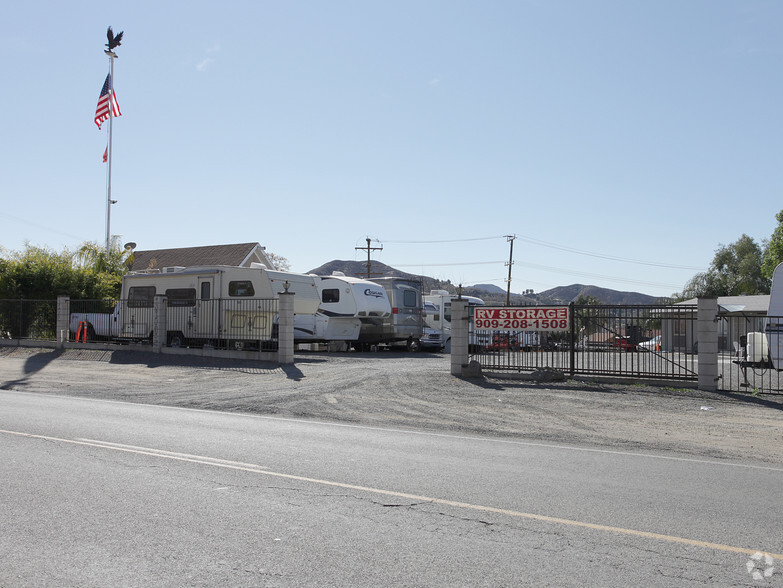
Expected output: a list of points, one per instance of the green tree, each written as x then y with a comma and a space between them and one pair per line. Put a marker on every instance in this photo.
42, 274
773, 252
735, 270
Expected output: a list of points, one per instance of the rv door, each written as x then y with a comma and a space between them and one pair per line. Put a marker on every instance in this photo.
206, 311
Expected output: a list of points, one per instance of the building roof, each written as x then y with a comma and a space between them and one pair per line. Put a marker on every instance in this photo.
238, 254
756, 304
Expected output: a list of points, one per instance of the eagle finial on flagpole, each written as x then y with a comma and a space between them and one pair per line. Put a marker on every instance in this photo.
114, 41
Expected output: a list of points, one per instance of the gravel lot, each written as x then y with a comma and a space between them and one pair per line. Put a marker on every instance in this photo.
417, 392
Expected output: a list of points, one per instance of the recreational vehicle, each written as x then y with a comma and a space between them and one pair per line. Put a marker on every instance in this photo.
441, 320
346, 303
404, 326
206, 305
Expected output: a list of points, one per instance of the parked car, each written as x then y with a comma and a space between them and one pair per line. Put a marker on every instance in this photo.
624, 344
653, 344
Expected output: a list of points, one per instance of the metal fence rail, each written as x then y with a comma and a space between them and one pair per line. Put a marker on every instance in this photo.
246, 323
737, 371
28, 319
651, 341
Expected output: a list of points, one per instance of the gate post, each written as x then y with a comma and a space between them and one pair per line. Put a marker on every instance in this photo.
159, 322
285, 326
707, 340
459, 335
63, 320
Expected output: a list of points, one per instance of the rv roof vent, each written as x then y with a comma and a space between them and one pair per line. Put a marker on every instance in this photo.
338, 274
258, 265
173, 269
439, 293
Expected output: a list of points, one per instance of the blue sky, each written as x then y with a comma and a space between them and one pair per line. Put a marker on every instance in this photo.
622, 142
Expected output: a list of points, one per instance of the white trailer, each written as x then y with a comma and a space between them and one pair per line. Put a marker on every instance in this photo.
765, 350
441, 320
208, 304
346, 304
774, 327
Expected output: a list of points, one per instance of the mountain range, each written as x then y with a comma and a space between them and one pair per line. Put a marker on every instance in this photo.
490, 293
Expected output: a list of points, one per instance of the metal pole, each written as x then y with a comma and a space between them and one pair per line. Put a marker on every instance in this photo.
510, 238
112, 56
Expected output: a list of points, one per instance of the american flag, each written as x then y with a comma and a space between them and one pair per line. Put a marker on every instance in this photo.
102, 110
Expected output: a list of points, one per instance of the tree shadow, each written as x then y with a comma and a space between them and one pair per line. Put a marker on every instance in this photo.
34, 363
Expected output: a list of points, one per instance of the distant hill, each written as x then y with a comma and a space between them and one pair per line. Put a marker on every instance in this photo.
565, 294
490, 293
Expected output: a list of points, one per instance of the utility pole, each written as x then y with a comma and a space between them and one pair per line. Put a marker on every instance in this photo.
369, 250
510, 239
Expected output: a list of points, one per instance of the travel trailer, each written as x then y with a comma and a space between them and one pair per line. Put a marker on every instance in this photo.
404, 326
441, 320
765, 350
346, 303
205, 305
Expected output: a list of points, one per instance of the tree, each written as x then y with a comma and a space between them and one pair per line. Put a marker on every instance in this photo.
42, 274
93, 256
280, 262
773, 253
735, 270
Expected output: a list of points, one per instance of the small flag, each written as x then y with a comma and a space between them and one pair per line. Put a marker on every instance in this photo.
102, 111
106, 154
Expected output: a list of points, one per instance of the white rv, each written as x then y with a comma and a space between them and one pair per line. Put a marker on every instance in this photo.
441, 320
209, 304
346, 304
765, 350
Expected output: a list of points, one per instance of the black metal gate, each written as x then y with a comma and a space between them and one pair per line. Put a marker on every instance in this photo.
643, 341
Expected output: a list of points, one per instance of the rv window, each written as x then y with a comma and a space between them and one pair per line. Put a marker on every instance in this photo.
141, 296
181, 297
447, 312
241, 288
409, 298
205, 287
330, 295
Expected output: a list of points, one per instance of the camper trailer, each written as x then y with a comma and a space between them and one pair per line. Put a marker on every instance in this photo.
404, 326
346, 303
441, 320
765, 350
209, 304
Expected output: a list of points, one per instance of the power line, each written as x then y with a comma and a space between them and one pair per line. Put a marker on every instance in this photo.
558, 247
610, 257
446, 241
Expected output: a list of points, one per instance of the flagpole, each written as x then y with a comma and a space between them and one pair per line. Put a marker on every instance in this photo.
112, 57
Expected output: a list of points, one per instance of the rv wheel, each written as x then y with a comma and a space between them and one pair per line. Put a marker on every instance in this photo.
176, 339
413, 345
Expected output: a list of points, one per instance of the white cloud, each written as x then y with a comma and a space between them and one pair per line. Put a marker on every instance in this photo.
208, 61
205, 63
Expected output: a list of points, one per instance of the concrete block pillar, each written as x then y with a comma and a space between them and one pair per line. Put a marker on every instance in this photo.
63, 320
160, 323
707, 339
285, 325
459, 336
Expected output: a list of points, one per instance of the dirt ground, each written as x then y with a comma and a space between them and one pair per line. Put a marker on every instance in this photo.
417, 392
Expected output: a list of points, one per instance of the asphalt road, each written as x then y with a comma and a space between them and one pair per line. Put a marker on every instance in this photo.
107, 493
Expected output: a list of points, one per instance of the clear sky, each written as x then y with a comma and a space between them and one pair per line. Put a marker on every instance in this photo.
622, 142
